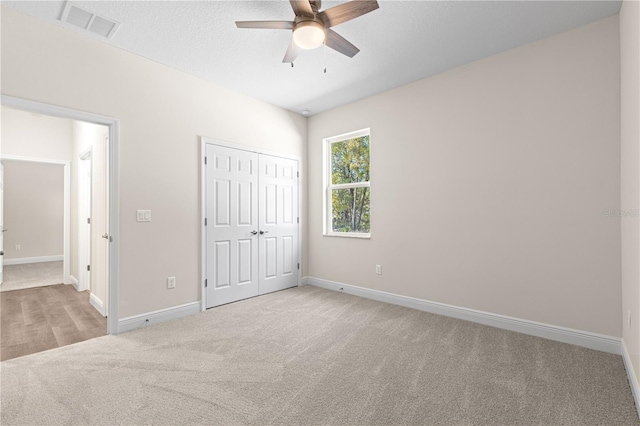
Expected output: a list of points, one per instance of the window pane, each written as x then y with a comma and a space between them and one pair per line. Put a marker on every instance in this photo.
350, 161
350, 210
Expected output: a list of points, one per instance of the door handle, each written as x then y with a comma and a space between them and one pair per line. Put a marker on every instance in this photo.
254, 232
4, 230
263, 232
105, 236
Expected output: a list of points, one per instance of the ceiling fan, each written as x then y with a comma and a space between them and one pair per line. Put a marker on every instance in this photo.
312, 27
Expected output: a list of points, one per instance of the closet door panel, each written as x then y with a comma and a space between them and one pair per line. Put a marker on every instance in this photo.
252, 241
231, 196
278, 219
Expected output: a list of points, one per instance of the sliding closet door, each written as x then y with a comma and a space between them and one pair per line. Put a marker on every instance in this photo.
278, 218
232, 225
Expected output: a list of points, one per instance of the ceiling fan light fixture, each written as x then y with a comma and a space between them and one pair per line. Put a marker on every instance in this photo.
308, 34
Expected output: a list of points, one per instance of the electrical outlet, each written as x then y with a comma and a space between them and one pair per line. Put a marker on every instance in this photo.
629, 319
171, 282
17, 247
379, 269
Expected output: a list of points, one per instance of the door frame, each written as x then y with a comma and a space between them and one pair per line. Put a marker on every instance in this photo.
66, 233
204, 141
113, 196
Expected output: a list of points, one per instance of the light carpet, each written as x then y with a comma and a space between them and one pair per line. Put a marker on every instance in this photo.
309, 356
29, 275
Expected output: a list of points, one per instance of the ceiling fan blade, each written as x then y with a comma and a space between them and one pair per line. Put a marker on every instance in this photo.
346, 12
301, 7
339, 43
292, 53
271, 25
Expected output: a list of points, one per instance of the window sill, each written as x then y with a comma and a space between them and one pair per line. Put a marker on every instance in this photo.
348, 235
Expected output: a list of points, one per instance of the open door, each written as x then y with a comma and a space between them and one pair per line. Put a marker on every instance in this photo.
108, 149
84, 218
1, 223
100, 237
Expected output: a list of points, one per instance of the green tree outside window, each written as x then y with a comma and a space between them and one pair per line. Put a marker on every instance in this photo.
350, 187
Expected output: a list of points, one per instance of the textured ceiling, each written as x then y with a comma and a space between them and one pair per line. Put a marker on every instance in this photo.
402, 41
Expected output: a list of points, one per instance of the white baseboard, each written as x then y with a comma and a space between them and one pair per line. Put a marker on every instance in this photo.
175, 312
74, 282
552, 332
631, 376
39, 259
98, 304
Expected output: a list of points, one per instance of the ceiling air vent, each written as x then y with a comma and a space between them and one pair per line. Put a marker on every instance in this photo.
89, 21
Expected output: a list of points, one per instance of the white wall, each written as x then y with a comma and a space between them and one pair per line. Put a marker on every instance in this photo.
33, 209
32, 135
162, 112
630, 176
25, 134
490, 184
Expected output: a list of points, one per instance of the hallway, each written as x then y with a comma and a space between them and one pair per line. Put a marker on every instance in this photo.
41, 318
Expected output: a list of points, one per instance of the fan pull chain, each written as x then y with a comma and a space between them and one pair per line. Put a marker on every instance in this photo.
324, 49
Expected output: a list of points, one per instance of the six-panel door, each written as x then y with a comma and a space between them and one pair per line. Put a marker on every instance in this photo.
252, 224
232, 217
278, 220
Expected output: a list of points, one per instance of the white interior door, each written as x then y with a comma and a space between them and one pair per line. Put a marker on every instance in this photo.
1, 223
232, 225
99, 278
278, 218
84, 215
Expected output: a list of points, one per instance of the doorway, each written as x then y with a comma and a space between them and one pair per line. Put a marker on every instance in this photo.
35, 221
251, 223
109, 208
41, 271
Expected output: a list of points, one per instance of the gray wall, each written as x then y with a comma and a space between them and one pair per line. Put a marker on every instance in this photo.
33, 209
630, 177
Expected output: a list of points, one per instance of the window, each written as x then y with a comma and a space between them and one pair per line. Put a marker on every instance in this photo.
348, 189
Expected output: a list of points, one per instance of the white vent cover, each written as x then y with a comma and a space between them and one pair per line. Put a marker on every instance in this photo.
81, 18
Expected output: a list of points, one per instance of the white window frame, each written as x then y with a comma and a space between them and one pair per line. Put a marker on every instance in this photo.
329, 187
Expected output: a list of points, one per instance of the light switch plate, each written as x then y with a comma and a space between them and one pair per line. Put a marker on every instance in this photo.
144, 215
